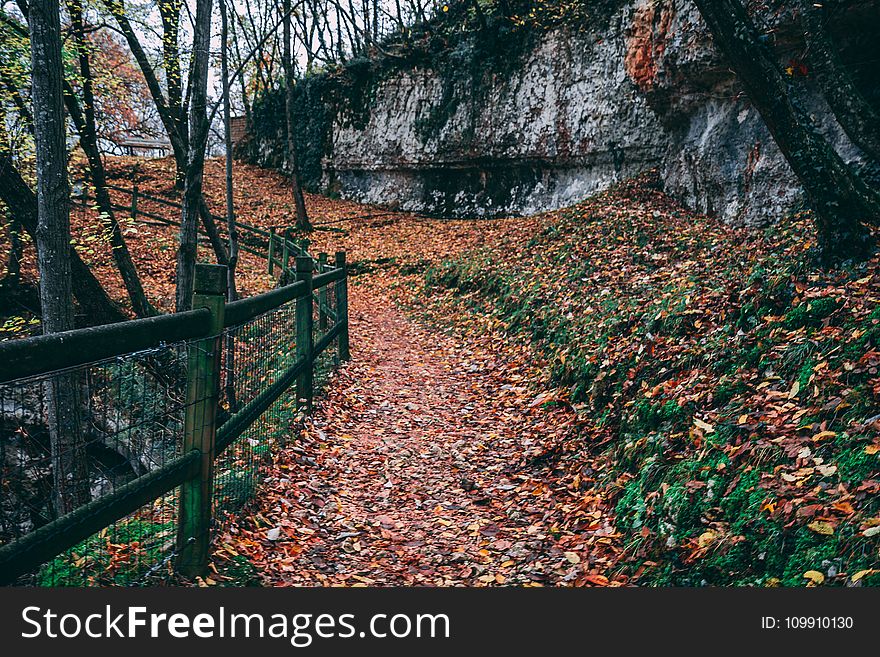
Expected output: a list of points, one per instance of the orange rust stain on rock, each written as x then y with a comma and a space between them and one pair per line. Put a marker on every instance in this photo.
647, 41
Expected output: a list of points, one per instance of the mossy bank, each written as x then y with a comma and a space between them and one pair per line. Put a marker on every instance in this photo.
730, 386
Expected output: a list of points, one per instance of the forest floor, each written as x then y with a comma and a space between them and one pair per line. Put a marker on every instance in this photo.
413, 471
620, 392
423, 461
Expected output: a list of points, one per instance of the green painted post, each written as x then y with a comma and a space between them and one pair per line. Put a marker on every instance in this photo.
342, 308
200, 423
271, 251
304, 246
304, 323
322, 294
285, 253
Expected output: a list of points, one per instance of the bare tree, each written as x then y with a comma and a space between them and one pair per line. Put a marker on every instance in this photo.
169, 12
84, 121
232, 229
82, 116
302, 217
195, 159
231, 225
858, 118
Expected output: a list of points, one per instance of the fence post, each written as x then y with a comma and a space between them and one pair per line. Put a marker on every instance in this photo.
322, 293
304, 327
342, 308
285, 252
304, 332
271, 251
134, 201
304, 246
200, 428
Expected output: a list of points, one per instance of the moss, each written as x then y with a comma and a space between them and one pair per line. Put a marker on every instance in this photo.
239, 572
670, 484
727, 390
854, 464
811, 313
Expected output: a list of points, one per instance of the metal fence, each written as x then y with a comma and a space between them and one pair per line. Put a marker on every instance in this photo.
123, 447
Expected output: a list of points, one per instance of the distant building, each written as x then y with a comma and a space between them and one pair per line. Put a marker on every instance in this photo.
142, 147
238, 130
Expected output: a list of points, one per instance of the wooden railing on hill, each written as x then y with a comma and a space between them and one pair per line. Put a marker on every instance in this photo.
275, 244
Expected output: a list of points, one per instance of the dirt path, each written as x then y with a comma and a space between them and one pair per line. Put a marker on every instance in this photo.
410, 473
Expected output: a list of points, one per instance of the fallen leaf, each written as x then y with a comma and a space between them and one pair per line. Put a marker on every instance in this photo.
706, 538
815, 577
705, 426
864, 573
821, 527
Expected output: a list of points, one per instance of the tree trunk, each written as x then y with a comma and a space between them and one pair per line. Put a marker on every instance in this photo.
840, 200
302, 217
195, 161
213, 233
97, 307
169, 12
175, 126
84, 120
859, 120
231, 228
13, 262
69, 471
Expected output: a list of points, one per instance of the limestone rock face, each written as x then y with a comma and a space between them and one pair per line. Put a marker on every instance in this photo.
580, 111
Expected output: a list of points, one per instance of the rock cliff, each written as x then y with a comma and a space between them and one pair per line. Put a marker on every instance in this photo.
572, 111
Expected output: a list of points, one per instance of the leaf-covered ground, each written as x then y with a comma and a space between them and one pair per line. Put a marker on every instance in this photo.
618, 392
728, 386
414, 472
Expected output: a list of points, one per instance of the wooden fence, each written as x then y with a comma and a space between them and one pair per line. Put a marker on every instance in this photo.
274, 244
204, 438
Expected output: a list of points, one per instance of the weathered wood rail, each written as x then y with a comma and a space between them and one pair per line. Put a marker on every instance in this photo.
266, 244
203, 439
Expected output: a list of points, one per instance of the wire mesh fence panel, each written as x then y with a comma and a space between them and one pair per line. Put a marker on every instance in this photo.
325, 320
257, 354
262, 350
72, 437
240, 469
136, 550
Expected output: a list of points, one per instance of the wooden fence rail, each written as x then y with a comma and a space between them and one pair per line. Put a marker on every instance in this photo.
252, 239
202, 440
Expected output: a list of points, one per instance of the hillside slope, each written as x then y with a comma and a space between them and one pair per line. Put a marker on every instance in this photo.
731, 388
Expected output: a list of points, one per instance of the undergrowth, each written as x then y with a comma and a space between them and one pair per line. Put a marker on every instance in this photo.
729, 384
